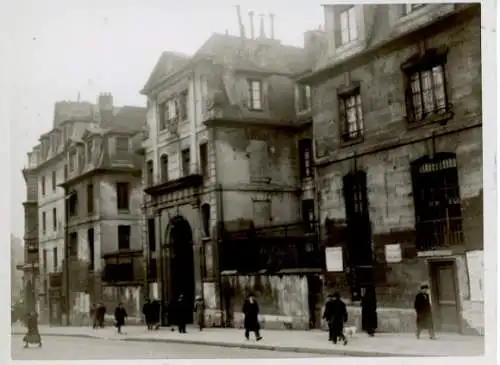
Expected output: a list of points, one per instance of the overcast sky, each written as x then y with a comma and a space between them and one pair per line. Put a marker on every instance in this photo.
59, 48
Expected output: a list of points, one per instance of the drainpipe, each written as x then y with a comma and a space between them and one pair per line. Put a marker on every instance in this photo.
66, 255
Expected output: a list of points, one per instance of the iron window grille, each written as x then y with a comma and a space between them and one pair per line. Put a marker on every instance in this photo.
351, 116
437, 201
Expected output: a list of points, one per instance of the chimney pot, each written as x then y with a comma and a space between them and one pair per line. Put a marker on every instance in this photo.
271, 18
251, 15
262, 31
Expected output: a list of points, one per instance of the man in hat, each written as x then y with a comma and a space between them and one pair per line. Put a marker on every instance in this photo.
199, 309
336, 315
251, 313
423, 308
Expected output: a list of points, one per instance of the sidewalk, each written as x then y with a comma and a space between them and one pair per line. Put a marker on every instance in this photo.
393, 344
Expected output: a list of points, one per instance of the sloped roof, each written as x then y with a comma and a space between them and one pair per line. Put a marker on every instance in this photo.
168, 63
127, 119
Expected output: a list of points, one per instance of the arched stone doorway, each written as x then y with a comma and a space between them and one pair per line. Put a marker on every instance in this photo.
180, 261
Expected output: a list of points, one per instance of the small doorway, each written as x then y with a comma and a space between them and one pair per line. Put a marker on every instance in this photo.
445, 296
314, 289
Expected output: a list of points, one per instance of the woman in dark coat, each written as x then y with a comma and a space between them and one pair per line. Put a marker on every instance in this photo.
369, 320
120, 315
251, 312
33, 336
182, 311
423, 310
336, 315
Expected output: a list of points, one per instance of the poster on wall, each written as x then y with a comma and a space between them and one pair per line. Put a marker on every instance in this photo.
334, 260
393, 253
475, 267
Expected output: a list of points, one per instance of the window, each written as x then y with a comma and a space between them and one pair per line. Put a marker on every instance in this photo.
90, 147
255, 94
43, 185
205, 213
438, 212
164, 168
44, 222
54, 180
123, 237
303, 97
73, 244
55, 259
204, 160
162, 116
149, 173
426, 87
186, 161
183, 102
90, 198
351, 116
308, 213
408, 8
305, 158
44, 260
90, 240
151, 235
122, 195
73, 203
54, 219
122, 145
204, 93
72, 160
348, 26
65, 172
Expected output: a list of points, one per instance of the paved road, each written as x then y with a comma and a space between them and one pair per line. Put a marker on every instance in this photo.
71, 348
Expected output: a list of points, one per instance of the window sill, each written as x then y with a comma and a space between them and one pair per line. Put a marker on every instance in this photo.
441, 118
351, 142
123, 211
256, 109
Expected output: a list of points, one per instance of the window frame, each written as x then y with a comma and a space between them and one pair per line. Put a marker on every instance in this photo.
351, 19
124, 230
303, 98
348, 136
305, 146
44, 223
186, 162
425, 64
54, 219
164, 168
183, 105
55, 260
54, 180
203, 153
412, 8
149, 173
122, 139
90, 198
123, 196
91, 247
252, 97
42, 183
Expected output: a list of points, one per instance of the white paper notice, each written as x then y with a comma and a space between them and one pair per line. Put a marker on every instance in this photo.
334, 260
393, 253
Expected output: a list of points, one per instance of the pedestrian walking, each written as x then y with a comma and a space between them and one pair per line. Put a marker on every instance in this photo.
120, 315
181, 313
199, 309
423, 308
336, 315
101, 313
147, 312
155, 314
369, 320
32, 335
93, 315
251, 313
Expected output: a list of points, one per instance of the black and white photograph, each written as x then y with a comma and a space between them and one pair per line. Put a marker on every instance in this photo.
252, 180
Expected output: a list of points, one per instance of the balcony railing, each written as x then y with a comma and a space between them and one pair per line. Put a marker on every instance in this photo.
442, 233
271, 249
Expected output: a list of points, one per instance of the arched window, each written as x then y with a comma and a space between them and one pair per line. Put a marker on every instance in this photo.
205, 212
436, 195
164, 168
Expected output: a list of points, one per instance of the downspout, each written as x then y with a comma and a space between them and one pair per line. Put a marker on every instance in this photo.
66, 255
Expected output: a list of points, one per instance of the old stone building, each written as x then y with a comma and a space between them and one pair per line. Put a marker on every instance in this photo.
229, 198
53, 165
397, 125
44, 207
104, 259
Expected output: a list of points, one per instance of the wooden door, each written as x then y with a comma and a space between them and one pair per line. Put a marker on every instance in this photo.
444, 297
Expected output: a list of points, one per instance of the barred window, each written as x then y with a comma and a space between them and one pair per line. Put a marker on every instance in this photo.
351, 116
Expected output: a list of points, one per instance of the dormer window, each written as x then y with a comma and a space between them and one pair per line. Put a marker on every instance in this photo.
122, 144
255, 93
303, 97
408, 8
348, 26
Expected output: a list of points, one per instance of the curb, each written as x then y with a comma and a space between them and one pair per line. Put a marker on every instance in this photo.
252, 346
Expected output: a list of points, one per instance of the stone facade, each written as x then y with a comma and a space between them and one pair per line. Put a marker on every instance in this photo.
389, 146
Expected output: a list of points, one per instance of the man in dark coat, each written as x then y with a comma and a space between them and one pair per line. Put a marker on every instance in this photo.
120, 315
251, 313
423, 309
369, 320
100, 314
147, 312
182, 310
155, 314
93, 315
336, 315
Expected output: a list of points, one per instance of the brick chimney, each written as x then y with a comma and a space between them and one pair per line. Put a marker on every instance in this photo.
105, 105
